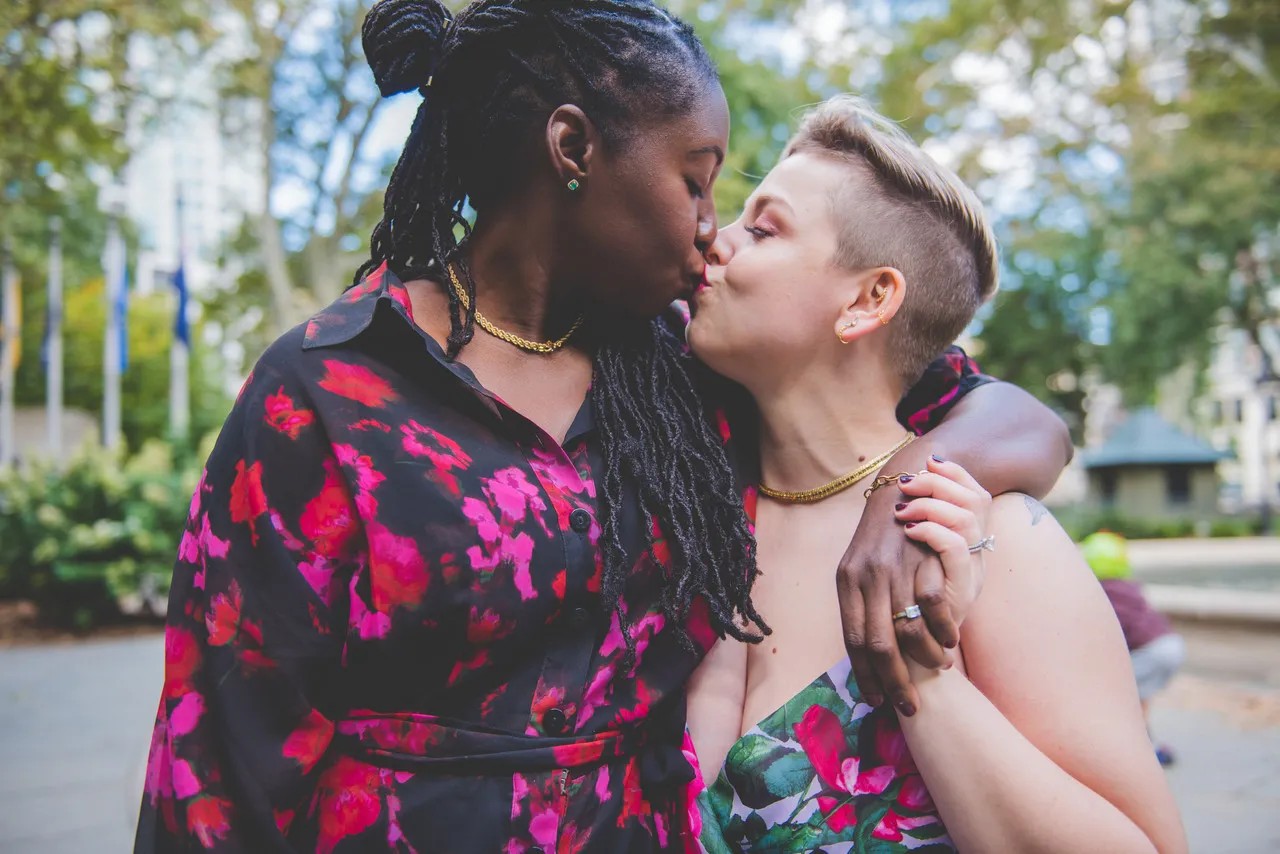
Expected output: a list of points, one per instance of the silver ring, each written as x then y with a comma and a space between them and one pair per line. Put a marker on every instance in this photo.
986, 544
910, 612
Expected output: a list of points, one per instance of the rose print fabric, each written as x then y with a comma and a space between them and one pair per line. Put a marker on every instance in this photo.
823, 772
385, 630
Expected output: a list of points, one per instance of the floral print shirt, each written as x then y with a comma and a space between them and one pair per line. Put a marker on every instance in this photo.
385, 630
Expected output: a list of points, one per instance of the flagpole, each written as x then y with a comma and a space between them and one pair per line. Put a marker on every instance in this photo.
53, 352
180, 348
8, 356
113, 269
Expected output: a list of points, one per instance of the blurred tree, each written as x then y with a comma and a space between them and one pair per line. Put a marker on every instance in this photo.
301, 94
1131, 140
66, 85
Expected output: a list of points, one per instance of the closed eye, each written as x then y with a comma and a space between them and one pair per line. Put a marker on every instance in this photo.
757, 233
695, 189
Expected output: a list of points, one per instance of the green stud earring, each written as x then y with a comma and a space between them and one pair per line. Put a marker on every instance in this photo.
574, 185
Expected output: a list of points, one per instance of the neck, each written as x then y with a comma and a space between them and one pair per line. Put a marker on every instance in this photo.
511, 255
825, 424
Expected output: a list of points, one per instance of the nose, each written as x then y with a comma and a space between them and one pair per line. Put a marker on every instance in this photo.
708, 229
720, 251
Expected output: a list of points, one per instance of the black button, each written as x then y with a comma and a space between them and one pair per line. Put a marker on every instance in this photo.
554, 721
579, 617
580, 520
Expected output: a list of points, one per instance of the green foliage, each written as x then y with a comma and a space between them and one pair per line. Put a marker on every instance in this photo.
101, 531
1080, 522
145, 385
764, 105
1145, 152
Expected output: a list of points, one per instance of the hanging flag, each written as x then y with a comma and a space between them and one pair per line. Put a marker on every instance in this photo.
181, 331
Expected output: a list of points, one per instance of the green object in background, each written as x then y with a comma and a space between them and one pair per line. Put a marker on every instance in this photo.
1107, 555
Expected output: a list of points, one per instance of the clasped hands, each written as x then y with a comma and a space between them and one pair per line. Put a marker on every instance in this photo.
909, 577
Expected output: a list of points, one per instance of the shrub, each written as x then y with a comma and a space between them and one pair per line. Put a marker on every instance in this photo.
96, 538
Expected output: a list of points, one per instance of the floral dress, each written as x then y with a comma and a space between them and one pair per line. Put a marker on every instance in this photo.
825, 772
385, 628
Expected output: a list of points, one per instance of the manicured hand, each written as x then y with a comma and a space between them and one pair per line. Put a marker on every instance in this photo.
884, 569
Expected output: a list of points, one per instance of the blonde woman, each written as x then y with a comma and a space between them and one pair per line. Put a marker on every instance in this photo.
855, 263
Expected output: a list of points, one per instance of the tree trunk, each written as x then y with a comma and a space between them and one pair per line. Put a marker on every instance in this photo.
270, 240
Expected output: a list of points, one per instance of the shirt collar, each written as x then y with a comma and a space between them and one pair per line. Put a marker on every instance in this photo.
350, 314
353, 312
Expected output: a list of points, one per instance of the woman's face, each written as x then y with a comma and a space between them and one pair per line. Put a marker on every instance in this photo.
772, 297
647, 214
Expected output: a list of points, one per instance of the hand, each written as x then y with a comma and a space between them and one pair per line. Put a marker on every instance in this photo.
947, 511
882, 567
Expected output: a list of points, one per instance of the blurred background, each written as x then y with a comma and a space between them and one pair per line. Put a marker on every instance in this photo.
181, 181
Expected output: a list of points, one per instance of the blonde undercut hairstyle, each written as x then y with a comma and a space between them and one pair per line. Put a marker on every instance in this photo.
906, 211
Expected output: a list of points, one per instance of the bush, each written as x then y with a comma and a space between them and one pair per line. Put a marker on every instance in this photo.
1080, 522
98, 537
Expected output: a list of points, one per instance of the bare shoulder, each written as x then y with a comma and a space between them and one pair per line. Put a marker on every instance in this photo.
1035, 562
1024, 528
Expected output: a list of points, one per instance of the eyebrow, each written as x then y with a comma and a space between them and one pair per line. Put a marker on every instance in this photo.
709, 149
759, 203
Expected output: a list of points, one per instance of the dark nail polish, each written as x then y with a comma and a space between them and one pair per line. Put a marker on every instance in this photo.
874, 701
910, 525
937, 459
950, 644
906, 478
906, 708
900, 507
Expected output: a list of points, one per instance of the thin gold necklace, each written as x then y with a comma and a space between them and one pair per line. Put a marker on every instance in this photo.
511, 337
840, 484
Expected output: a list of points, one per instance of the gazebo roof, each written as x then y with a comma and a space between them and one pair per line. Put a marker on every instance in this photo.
1144, 438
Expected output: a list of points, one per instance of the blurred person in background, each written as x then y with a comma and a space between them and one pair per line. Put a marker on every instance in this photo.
1157, 651
467, 531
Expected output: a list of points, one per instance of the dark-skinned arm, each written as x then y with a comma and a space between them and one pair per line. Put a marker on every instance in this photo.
1009, 442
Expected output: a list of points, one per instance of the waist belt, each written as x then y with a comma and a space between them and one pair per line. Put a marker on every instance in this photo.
409, 741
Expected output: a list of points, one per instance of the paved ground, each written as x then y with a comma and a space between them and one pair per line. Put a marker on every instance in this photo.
74, 730
75, 721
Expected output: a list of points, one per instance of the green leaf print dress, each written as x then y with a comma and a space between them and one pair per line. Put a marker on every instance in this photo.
825, 772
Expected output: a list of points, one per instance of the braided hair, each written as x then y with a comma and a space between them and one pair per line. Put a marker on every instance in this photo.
489, 78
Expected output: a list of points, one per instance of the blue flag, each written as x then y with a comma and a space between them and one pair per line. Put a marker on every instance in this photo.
181, 332
122, 314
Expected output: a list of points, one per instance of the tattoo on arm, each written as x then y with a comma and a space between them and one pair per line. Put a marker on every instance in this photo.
1036, 509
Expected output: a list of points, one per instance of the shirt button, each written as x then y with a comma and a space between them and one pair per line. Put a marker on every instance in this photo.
579, 617
553, 721
580, 521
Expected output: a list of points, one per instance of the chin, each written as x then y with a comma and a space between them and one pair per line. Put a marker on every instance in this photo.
703, 343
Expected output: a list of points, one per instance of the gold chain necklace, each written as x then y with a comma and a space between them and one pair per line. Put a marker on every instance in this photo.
510, 337
840, 484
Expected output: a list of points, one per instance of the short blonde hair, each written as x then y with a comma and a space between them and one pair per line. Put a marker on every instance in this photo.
910, 213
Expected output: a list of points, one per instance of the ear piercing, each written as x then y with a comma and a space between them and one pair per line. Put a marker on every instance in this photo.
849, 325
573, 185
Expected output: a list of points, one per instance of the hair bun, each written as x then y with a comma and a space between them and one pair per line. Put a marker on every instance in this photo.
403, 41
